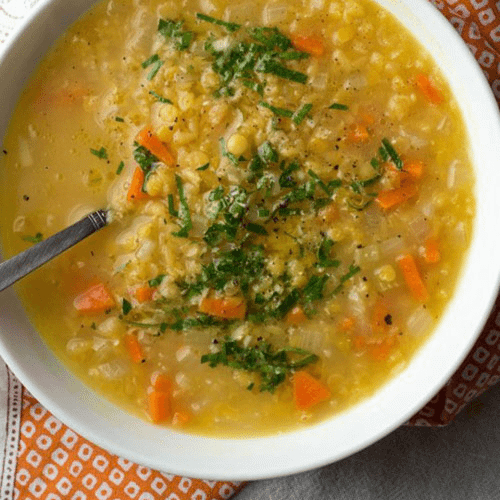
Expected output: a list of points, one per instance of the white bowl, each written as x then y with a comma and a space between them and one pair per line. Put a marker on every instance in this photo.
261, 457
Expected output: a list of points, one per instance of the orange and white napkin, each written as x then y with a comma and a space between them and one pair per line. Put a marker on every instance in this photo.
41, 458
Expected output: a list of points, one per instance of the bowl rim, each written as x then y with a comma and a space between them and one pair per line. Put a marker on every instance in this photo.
219, 459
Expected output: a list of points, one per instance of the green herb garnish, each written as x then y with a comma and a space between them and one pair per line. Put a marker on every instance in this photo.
353, 270
119, 119
183, 213
100, 153
231, 27
160, 98
341, 107
34, 239
156, 281
120, 168
230, 156
300, 114
273, 366
126, 307
203, 167
172, 30
287, 113
392, 154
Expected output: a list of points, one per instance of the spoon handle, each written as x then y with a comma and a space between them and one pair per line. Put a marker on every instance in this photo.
20, 265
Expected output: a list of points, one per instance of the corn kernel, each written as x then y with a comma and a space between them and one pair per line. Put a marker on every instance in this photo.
237, 144
345, 34
386, 273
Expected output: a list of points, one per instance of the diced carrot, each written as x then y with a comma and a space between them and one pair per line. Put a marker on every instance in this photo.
391, 198
310, 44
134, 348
428, 88
296, 316
347, 323
94, 300
228, 308
413, 278
161, 382
144, 293
152, 143
181, 418
411, 169
135, 191
159, 405
381, 320
414, 168
358, 133
367, 118
432, 253
308, 391
381, 351
358, 343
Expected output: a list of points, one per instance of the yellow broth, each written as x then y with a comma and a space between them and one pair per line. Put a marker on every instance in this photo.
303, 206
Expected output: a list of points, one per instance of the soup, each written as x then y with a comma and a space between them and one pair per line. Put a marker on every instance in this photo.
290, 196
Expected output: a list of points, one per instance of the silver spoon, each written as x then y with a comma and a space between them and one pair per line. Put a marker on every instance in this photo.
22, 264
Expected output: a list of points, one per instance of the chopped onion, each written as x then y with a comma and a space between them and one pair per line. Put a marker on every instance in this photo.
310, 339
274, 13
112, 370
419, 227
420, 322
146, 250
366, 255
392, 247
320, 81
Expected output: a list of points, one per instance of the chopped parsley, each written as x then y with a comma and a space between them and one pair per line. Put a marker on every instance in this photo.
231, 27
183, 213
101, 153
391, 152
273, 366
160, 98
287, 113
126, 307
172, 30
119, 119
156, 281
301, 113
120, 168
203, 167
337, 105
33, 239
230, 156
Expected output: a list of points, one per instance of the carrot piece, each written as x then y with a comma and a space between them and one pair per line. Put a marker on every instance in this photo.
413, 278
160, 382
414, 168
94, 300
159, 405
308, 391
411, 169
152, 143
134, 348
347, 323
181, 418
391, 198
358, 343
229, 307
432, 253
144, 293
358, 133
428, 88
296, 316
381, 320
379, 352
135, 191
309, 44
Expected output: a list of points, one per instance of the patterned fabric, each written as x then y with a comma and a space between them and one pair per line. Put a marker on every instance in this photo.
41, 458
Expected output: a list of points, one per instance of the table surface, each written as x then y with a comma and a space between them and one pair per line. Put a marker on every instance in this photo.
459, 461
